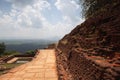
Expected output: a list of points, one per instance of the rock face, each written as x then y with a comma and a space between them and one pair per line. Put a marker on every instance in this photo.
52, 46
92, 50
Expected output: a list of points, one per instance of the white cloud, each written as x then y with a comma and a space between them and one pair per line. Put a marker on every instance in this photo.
41, 4
71, 12
27, 20
68, 9
24, 22
20, 3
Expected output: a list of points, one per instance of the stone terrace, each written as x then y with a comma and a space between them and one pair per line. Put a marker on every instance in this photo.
42, 67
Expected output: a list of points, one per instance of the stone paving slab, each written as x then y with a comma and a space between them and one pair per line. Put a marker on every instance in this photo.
43, 67
12, 60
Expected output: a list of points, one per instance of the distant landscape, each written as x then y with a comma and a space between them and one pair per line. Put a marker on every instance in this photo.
25, 45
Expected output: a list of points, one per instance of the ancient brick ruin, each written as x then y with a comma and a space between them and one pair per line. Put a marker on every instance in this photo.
92, 50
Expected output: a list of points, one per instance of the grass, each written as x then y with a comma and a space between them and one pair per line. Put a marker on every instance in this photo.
12, 65
8, 67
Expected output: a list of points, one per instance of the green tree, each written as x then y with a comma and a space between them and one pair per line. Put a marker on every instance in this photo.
30, 52
11, 53
90, 7
2, 48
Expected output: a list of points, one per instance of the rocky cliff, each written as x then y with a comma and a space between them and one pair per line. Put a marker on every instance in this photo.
92, 50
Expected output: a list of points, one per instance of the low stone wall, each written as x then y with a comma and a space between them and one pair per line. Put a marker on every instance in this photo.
23, 55
7, 58
78, 66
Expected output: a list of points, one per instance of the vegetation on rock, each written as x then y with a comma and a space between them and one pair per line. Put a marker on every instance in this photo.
91, 7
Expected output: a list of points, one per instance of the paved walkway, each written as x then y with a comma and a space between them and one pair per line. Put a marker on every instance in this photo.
43, 67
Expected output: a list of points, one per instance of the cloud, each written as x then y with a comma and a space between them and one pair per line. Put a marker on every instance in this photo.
20, 3
30, 17
68, 9
42, 4
24, 22
27, 19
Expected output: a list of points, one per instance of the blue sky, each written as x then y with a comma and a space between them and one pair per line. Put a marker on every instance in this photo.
38, 19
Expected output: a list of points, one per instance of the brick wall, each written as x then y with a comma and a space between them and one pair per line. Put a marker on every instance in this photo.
79, 66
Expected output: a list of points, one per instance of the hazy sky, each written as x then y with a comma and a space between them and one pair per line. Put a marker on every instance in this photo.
38, 19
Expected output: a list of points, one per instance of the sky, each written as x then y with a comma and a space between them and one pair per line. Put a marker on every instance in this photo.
38, 19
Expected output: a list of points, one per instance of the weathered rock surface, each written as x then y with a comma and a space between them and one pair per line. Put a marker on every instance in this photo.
92, 50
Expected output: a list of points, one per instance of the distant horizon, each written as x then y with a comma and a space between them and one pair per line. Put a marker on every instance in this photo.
23, 45
29, 39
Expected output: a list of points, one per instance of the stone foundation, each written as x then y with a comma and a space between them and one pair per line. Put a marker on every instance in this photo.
78, 66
